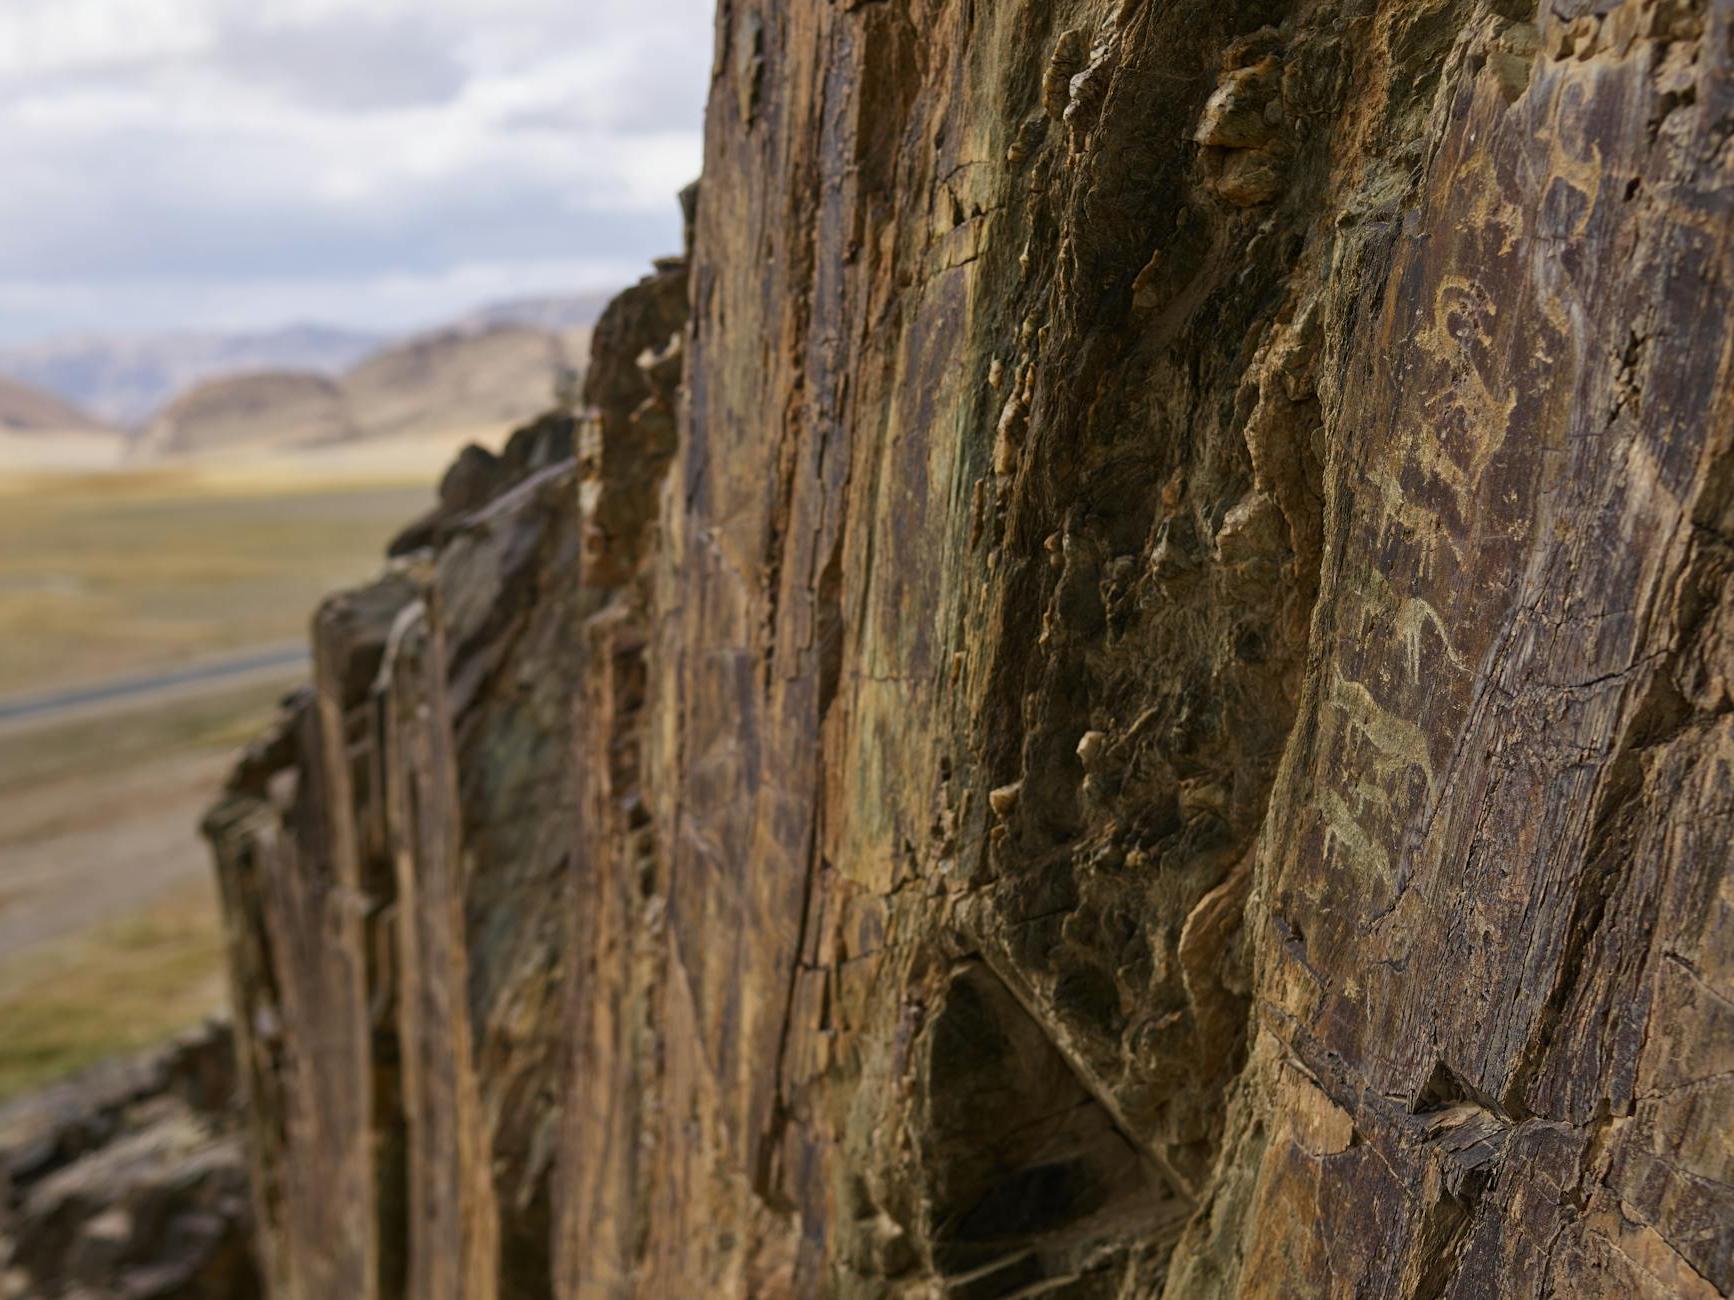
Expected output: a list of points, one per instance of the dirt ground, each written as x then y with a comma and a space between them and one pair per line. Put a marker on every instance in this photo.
60, 875
110, 936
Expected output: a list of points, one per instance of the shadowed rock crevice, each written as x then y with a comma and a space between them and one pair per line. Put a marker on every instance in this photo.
1026, 1178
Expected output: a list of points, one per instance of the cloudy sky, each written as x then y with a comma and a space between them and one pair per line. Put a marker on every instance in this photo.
377, 163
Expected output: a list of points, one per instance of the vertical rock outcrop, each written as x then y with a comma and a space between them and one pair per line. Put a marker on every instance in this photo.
394, 863
1138, 704
399, 861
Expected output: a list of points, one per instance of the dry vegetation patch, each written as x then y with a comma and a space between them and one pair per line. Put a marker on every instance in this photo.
102, 574
127, 984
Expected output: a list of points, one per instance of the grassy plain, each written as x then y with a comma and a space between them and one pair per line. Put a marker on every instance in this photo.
103, 574
121, 986
110, 937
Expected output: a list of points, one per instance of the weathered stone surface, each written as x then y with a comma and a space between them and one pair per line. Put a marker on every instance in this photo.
1140, 704
398, 862
130, 1182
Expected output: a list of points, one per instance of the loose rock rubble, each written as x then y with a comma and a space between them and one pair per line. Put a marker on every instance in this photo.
130, 1182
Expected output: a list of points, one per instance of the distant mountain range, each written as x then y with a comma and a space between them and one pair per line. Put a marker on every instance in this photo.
126, 381
477, 381
25, 409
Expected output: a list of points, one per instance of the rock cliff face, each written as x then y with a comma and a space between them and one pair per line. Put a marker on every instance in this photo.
1141, 702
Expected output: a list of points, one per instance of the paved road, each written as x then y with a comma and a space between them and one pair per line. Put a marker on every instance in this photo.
139, 687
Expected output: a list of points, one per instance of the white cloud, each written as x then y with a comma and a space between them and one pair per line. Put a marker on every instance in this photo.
334, 143
39, 38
